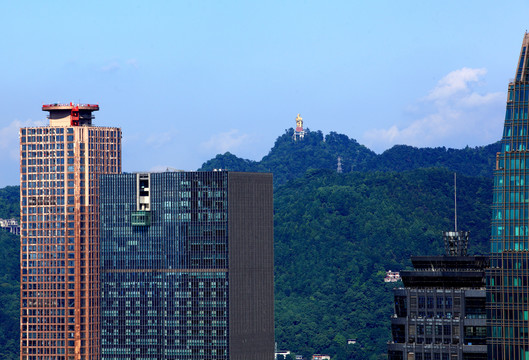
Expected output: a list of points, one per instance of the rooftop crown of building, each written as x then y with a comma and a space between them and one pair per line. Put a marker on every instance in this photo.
70, 114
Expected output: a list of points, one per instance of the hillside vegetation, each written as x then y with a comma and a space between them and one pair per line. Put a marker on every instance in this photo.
10, 202
289, 160
9, 277
335, 234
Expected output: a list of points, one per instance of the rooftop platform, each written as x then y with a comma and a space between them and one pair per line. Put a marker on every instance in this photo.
70, 106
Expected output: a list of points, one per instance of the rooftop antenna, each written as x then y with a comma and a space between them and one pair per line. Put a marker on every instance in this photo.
455, 201
456, 243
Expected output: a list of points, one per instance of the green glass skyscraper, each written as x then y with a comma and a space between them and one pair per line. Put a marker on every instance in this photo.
508, 276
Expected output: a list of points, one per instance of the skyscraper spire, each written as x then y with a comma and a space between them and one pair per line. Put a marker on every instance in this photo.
522, 71
507, 285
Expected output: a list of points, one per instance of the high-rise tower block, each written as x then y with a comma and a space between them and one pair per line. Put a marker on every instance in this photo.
60, 168
508, 276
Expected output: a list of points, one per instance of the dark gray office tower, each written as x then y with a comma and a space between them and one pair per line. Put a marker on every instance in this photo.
187, 266
440, 312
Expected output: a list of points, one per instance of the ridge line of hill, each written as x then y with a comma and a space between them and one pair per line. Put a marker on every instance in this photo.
289, 159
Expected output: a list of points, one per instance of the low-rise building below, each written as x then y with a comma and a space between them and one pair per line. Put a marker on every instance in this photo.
10, 225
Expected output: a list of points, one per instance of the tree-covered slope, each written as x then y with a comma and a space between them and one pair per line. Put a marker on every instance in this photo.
9, 296
336, 235
290, 159
9, 277
478, 161
10, 202
228, 161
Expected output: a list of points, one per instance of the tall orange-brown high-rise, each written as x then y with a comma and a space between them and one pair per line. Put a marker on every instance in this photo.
60, 165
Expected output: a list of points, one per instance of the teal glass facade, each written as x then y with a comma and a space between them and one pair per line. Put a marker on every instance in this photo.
166, 276
508, 276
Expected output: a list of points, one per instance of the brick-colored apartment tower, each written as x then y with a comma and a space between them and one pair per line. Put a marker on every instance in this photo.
60, 166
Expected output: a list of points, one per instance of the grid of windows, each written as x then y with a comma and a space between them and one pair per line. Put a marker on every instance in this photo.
438, 319
165, 280
508, 277
59, 173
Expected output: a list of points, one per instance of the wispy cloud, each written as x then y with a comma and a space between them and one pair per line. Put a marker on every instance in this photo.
455, 82
226, 141
112, 66
133, 63
9, 140
154, 140
158, 140
455, 114
117, 65
10, 150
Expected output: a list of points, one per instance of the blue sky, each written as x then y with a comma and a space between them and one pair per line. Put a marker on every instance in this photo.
186, 80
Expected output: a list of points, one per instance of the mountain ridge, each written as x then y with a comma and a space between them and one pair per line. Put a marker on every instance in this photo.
289, 159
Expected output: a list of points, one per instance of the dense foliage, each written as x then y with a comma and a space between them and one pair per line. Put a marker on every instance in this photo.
336, 235
479, 161
9, 296
289, 159
9, 202
9, 277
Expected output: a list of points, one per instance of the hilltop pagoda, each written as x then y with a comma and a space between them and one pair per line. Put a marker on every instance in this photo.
299, 133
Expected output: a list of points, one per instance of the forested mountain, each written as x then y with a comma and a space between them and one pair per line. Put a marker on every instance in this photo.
9, 277
10, 202
478, 161
289, 159
335, 234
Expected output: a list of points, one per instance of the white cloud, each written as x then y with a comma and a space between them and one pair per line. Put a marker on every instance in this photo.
117, 65
154, 140
112, 66
479, 100
133, 63
10, 150
455, 115
226, 141
158, 140
9, 138
455, 82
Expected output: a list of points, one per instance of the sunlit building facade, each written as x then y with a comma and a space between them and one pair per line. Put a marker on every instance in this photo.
508, 276
187, 266
59, 198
